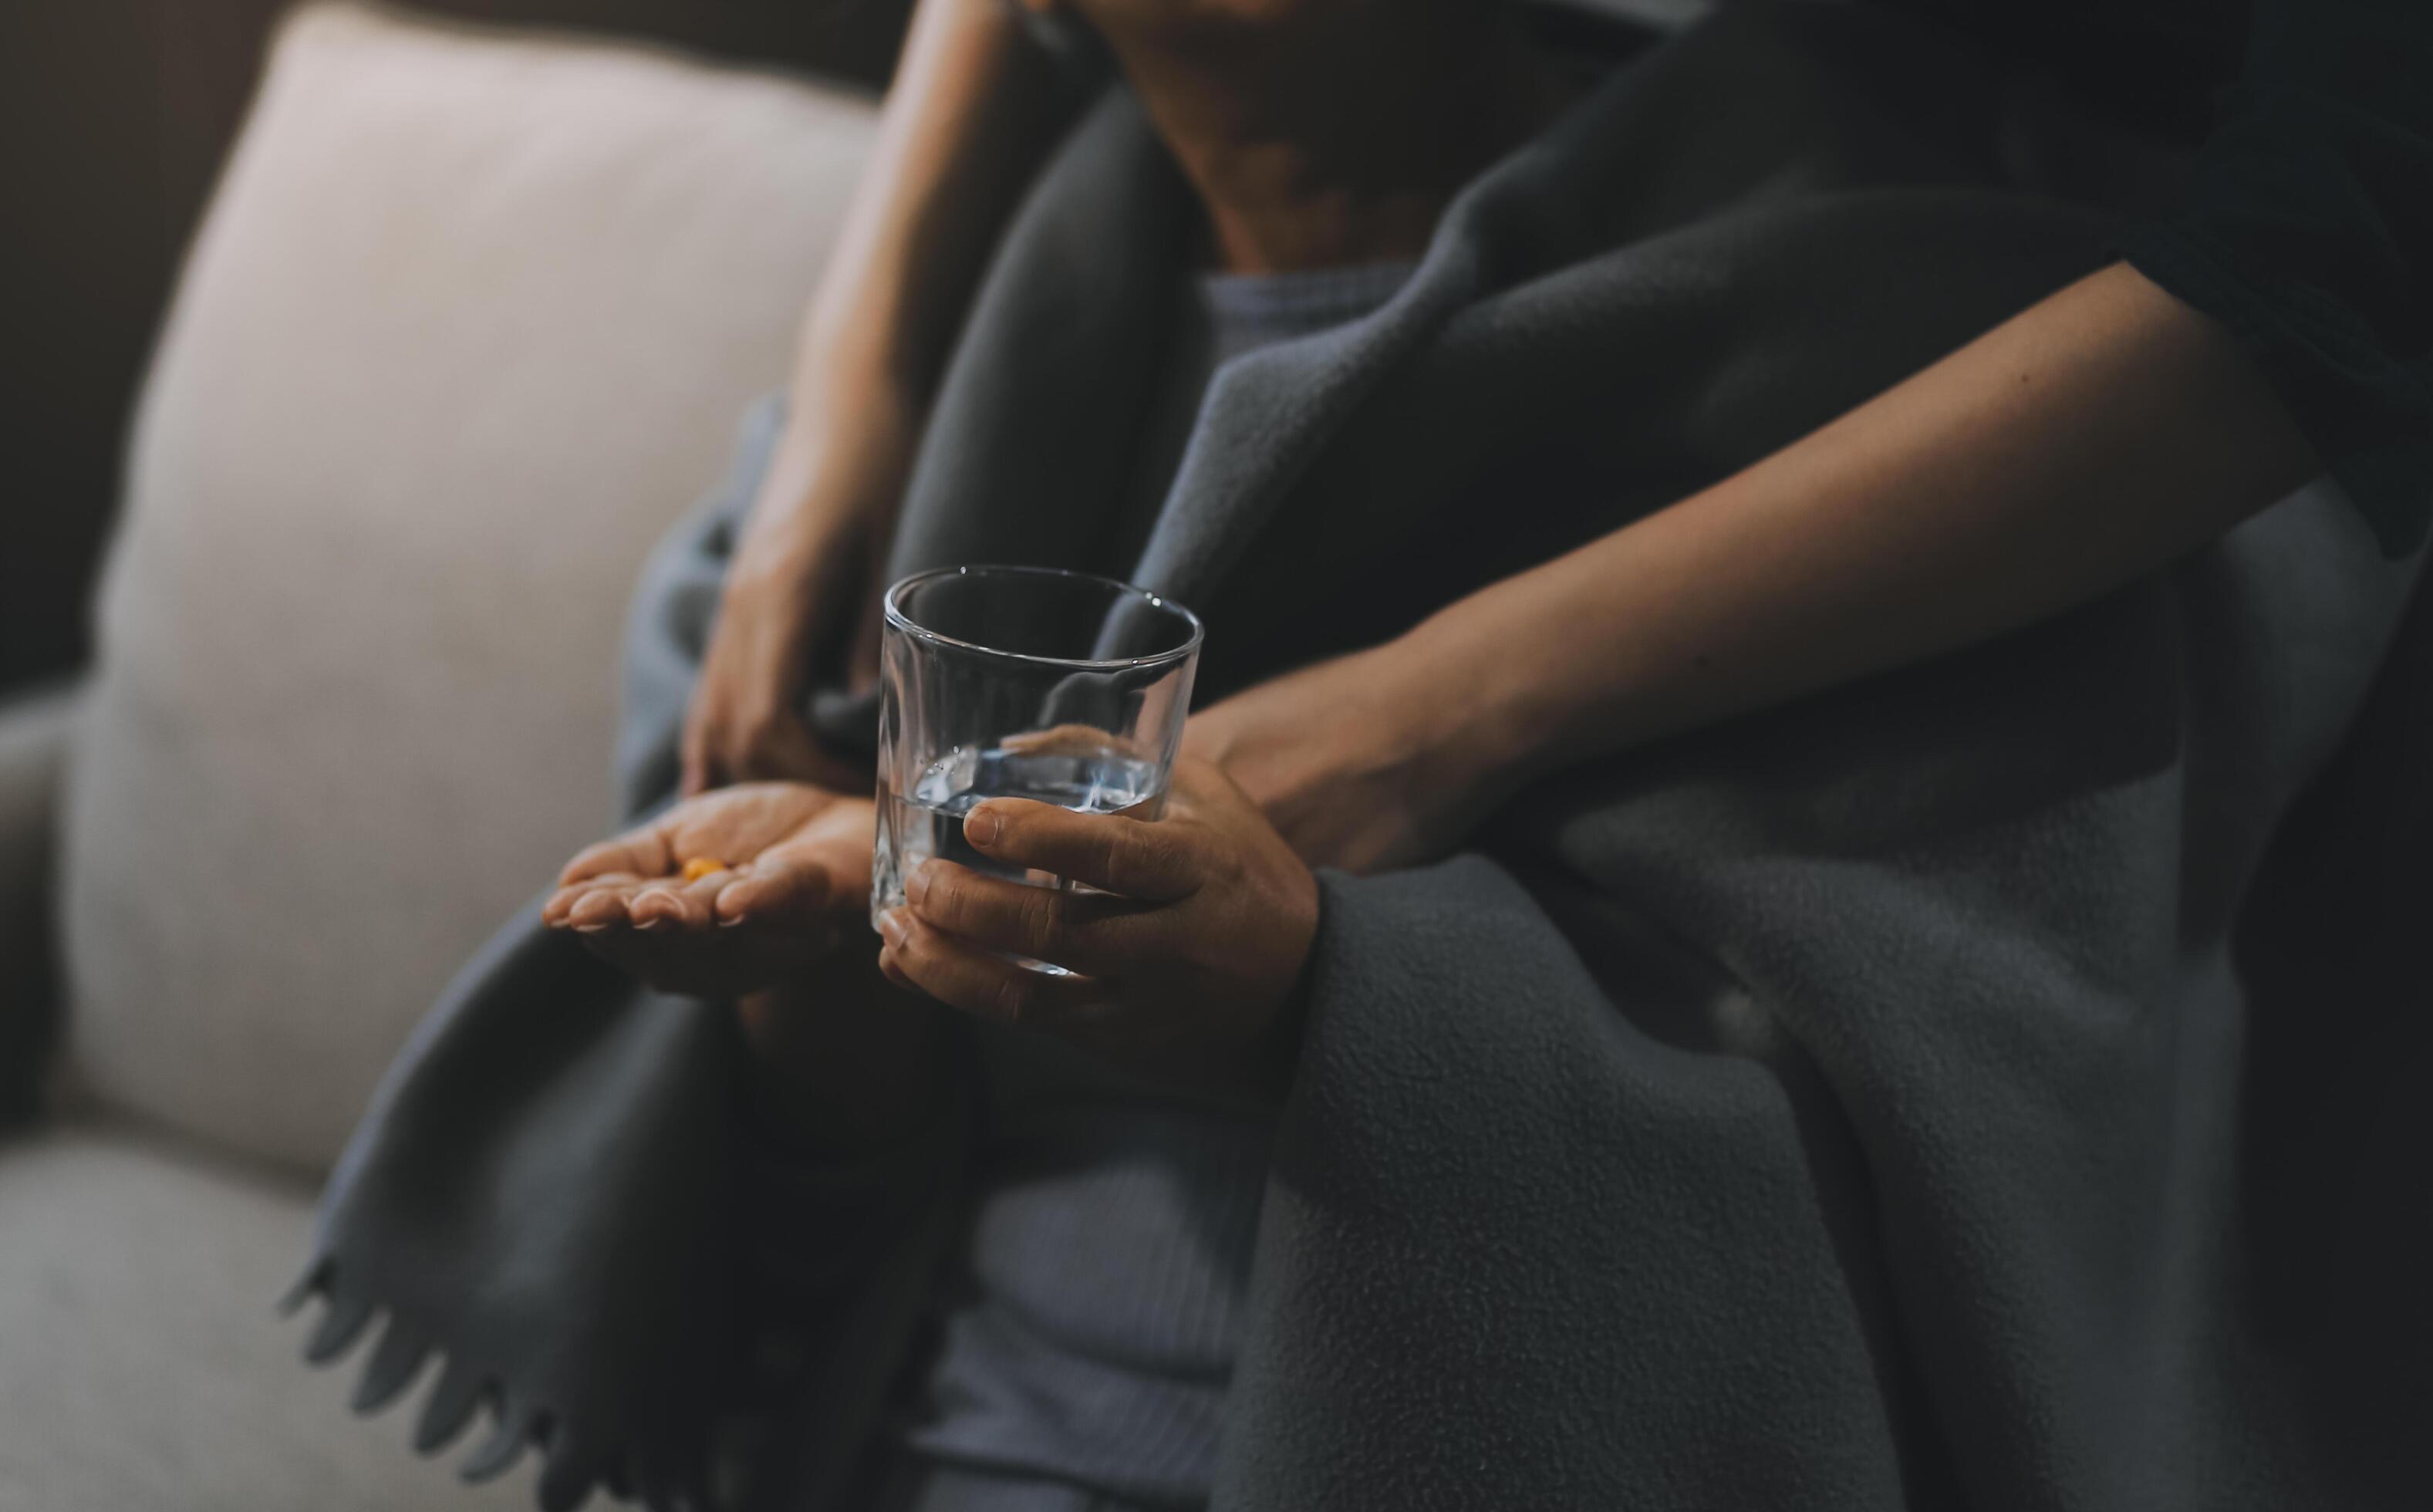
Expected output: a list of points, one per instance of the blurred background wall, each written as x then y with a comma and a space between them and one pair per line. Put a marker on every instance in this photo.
115, 115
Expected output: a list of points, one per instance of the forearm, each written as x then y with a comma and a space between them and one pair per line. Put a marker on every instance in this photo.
971, 110
2098, 435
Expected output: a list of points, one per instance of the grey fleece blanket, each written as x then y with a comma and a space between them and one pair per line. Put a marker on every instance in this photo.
1986, 1085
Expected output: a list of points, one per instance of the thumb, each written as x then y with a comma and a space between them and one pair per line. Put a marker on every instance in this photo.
804, 880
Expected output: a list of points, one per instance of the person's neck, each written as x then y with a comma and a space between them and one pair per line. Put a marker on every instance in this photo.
1316, 148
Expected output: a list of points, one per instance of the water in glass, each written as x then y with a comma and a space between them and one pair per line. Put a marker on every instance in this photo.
1093, 778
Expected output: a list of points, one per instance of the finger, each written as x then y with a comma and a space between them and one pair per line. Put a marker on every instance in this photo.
965, 976
705, 718
641, 852
780, 884
1072, 739
693, 777
1093, 933
1151, 861
816, 874
604, 908
562, 903
678, 904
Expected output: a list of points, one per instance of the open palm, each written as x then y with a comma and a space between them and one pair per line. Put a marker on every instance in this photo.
784, 870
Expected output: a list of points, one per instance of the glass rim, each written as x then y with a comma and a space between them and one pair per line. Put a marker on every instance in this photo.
896, 618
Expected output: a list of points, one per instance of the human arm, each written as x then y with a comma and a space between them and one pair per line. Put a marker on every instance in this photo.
2096, 436
2100, 434
972, 105
2276, 322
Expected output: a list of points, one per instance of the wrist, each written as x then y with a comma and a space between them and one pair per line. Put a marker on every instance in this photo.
1536, 673
1478, 736
801, 509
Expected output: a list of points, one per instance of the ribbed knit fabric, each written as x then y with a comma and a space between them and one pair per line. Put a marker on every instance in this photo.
1247, 311
1087, 1330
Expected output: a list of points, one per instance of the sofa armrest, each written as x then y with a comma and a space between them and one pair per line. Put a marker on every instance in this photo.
34, 734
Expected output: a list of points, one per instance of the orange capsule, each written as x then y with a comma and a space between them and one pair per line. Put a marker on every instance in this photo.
701, 866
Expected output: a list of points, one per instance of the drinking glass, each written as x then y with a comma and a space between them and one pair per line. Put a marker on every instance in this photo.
1021, 682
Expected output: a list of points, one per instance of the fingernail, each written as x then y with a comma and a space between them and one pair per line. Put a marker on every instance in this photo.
653, 923
591, 928
890, 927
980, 825
916, 887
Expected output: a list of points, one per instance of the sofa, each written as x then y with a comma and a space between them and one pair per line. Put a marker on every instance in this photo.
470, 323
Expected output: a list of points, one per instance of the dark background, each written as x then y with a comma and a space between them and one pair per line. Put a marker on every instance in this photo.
115, 115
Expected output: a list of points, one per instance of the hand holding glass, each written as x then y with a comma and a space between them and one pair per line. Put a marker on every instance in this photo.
1007, 682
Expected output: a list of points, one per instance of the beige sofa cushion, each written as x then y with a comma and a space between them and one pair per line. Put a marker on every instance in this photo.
143, 1371
472, 319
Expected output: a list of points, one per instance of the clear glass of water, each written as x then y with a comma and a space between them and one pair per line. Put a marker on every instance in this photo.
1019, 682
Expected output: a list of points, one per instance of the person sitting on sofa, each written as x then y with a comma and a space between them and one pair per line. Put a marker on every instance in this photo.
1091, 1315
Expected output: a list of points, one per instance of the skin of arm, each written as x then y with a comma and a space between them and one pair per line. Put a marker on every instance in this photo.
2102, 434
835, 1070
972, 109
841, 1065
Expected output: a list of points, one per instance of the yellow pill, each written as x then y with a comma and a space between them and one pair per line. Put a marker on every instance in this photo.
701, 866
